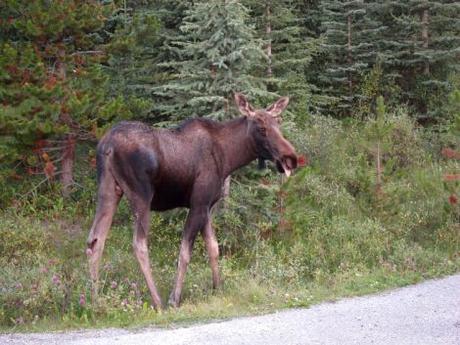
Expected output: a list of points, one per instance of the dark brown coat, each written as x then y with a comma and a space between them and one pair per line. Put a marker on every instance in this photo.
161, 169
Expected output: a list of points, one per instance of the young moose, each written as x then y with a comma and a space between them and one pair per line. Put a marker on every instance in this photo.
160, 169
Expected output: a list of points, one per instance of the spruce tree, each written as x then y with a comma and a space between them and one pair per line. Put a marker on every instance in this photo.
350, 51
132, 48
289, 46
421, 47
216, 52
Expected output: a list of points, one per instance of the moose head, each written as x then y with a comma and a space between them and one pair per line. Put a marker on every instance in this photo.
264, 128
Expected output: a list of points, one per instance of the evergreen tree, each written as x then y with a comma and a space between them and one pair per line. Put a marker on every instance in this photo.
421, 46
132, 48
289, 46
350, 50
216, 52
51, 84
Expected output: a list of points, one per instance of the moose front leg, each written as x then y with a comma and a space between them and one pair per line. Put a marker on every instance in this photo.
196, 220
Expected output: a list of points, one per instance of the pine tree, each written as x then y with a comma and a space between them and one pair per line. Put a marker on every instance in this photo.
51, 84
132, 48
289, 47
216, 52
350, 52
421, 46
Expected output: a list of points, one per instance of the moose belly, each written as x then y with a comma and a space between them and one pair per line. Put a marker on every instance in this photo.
170, 195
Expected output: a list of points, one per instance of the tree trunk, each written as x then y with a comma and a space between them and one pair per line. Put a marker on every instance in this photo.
349, 56
425, 19
268, 31
378, 167
68, 158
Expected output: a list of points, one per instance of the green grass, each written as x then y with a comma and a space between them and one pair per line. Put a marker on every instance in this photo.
242, 298
253, 284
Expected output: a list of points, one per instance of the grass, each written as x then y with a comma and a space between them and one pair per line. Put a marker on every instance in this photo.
255, 300
249, 288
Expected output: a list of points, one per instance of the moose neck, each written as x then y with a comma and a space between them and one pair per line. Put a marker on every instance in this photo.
237, 145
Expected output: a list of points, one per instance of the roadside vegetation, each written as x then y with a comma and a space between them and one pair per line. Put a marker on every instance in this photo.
325, 233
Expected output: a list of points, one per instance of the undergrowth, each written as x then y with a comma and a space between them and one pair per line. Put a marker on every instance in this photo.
331, 230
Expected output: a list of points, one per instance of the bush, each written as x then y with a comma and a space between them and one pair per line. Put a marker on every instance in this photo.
344, 221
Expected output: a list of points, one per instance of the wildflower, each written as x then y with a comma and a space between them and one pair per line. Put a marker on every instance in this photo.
18, 286
52, 262
82, 300
56, 280
43, 270
449, 153
113, 284
453, 199
451, 177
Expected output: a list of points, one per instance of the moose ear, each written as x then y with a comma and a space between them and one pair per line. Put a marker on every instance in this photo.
243, 105
277, 108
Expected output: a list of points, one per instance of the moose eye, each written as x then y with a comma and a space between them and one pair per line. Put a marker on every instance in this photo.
263, 131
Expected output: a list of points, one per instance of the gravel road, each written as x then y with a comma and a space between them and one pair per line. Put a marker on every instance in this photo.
423, 314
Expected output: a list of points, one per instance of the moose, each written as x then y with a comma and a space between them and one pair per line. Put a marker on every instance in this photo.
162, 169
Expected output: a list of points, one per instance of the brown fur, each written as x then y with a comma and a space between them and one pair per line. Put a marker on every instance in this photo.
160, 169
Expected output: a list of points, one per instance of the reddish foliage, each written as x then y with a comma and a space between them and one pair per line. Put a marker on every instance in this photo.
92, 162
79, 59
50, 83
13, 70
302, 161
39, 145
25, 76
16, 177
282, 194
453, 199
449, 153
49, 169
451, 177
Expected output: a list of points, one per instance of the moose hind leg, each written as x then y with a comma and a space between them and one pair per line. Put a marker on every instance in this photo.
109, 195
141, 228
212, 247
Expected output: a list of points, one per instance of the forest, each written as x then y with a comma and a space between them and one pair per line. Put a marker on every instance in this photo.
374, 114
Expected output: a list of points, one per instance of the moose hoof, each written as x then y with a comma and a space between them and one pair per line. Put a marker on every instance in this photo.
173, 303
